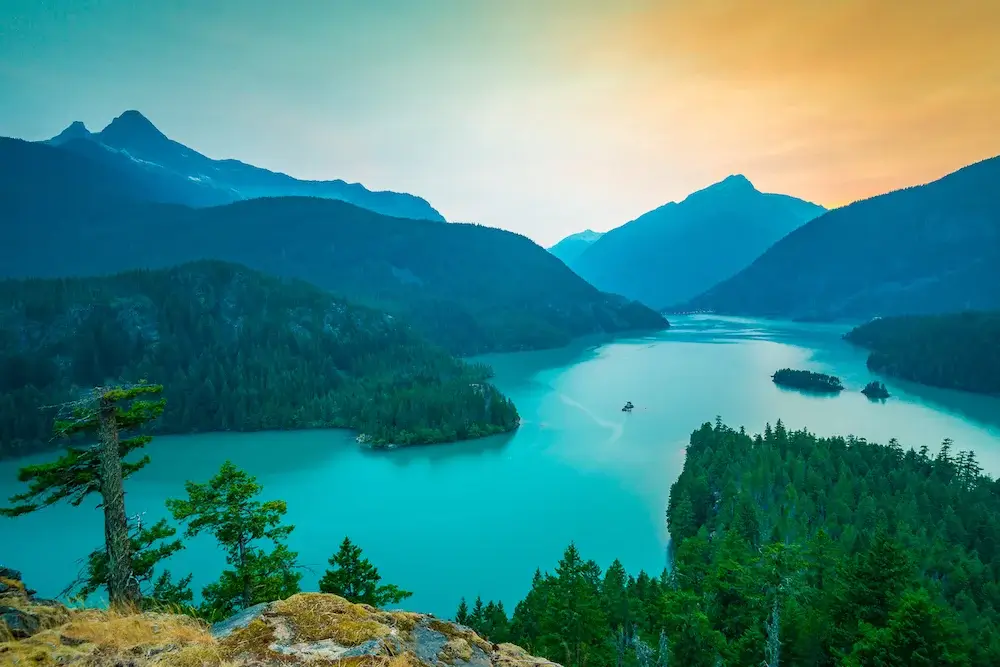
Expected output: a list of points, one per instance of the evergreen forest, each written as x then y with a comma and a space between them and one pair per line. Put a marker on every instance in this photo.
789, 549
236, 350
954, 351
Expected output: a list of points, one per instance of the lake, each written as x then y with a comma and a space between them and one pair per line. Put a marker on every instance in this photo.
479, 517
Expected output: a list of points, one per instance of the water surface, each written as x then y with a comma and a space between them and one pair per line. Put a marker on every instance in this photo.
478, 518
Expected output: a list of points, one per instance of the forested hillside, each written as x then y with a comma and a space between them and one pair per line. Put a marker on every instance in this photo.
932, 248
469, 288
788, 549
955, 351
237, 350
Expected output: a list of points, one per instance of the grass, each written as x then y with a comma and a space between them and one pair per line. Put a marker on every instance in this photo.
315, 616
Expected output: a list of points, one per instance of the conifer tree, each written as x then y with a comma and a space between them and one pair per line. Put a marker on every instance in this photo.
462, 615
355, 579
104, 414
226, 506
150, 545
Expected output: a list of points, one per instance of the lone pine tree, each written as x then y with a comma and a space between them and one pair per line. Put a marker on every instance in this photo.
99, 467
227, 507
356, 579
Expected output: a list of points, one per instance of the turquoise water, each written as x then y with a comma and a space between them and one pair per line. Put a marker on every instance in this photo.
478, 518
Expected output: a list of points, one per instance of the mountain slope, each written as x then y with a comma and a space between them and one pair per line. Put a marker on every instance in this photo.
573, 245
469, 288
927, 249
185, 176
235, 350
681, 249
954, 351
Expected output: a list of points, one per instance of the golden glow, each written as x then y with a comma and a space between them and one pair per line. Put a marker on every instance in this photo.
831, 100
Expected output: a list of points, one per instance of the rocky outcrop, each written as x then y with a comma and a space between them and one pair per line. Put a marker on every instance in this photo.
21, 614
312, 629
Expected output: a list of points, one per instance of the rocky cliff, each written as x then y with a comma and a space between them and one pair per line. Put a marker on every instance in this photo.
306, 629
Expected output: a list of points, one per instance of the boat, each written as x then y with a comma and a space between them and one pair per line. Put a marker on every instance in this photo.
628, 407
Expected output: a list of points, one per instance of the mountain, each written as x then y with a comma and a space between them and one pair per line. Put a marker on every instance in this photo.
679, 250
573, 245
235, 350
185, 176
469, 288
954, 350
927, 249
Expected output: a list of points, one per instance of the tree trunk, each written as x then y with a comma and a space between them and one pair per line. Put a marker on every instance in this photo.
247, 594
123, 589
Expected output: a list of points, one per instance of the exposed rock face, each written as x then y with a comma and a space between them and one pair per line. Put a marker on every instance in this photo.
307, 629
314, 627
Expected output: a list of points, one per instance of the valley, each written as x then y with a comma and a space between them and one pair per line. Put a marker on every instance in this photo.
578, 469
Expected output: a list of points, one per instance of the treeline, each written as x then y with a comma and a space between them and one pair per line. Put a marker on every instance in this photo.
954, 351
236, 350
808, 380
793, 549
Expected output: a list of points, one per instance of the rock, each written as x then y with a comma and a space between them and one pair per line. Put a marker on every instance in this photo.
8, 573
314, 628
238, 622
20, 624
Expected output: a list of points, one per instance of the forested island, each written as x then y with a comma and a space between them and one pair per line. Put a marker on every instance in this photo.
875, 390
954, 351
236, 350
807, 380
787, 549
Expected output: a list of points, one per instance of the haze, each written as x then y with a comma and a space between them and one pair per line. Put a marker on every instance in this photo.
542, 118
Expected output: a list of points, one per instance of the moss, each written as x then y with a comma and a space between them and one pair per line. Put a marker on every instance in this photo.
452, 631
455, 650
45, 649
404, 620
318, 616
253, 641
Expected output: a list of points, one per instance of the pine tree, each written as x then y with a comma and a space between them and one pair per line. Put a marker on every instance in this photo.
462, 615
355, 579
150, 545
104, 413
226, 506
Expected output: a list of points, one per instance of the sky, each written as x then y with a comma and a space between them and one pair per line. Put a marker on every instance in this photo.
545, 117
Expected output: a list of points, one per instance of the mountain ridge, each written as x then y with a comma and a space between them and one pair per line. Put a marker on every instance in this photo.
186, 176
924, 249
453, 282
680, 249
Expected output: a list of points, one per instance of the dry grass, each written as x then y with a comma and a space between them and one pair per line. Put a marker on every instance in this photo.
19, 585
315, 616
125, 632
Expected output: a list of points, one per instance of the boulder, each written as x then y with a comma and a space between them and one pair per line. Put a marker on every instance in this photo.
317, 628
19, 623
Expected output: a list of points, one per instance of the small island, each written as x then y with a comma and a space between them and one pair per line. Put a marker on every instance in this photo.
808, 380
875, 391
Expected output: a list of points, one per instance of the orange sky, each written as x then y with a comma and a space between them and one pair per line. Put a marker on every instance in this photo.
831, 100
545, 117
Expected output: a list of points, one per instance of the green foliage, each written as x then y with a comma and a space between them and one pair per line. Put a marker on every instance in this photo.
75, 474
955, 351
356, 579
241, 351
150, 545
789, 549
227, 507
808, 380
